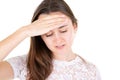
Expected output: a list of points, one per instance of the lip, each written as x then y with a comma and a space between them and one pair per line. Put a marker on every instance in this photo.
60, 46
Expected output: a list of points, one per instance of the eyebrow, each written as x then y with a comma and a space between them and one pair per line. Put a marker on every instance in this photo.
62, 26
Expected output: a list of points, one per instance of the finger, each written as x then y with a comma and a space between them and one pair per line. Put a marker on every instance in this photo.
55, 20
48, 22
57, 24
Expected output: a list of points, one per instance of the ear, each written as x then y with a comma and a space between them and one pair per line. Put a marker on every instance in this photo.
75, 27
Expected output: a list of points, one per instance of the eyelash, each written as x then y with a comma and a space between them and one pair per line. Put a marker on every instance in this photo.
63, 31
49, 35
52, 33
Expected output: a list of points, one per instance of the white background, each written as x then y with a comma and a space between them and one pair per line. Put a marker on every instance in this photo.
98, 37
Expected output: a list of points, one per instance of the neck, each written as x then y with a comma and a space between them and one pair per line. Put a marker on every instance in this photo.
65, 57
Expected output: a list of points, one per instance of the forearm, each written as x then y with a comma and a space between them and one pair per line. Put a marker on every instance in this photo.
38, 27
8, 44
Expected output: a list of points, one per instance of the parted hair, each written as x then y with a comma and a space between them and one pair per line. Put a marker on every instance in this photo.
39, 62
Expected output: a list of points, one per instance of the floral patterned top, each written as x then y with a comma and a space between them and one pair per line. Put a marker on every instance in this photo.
76, 69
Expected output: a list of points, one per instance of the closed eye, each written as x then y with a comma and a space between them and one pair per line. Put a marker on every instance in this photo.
49, 34
63, 31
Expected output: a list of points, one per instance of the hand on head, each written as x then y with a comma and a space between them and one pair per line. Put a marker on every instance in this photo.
44, 24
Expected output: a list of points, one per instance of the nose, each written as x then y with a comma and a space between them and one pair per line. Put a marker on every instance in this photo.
57, 38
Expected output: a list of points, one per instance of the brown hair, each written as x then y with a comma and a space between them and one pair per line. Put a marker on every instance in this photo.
39, 62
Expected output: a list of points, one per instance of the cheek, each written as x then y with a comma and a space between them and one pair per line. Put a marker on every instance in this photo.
70, 37
47, 41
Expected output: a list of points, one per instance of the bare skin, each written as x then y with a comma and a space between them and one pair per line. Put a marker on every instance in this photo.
38, 27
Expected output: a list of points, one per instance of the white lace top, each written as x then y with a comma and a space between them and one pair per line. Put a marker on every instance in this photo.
76, 69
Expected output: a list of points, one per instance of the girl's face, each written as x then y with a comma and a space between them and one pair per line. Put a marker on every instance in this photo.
59, 40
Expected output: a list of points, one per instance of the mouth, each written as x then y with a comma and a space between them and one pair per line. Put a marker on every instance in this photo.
60, 46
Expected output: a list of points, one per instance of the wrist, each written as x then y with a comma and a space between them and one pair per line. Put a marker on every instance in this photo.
24, 32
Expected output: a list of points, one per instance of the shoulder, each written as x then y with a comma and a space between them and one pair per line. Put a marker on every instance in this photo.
90, 68
18, 59
86, 63
18, 65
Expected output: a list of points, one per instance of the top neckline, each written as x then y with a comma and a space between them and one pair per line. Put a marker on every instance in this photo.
63, 63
